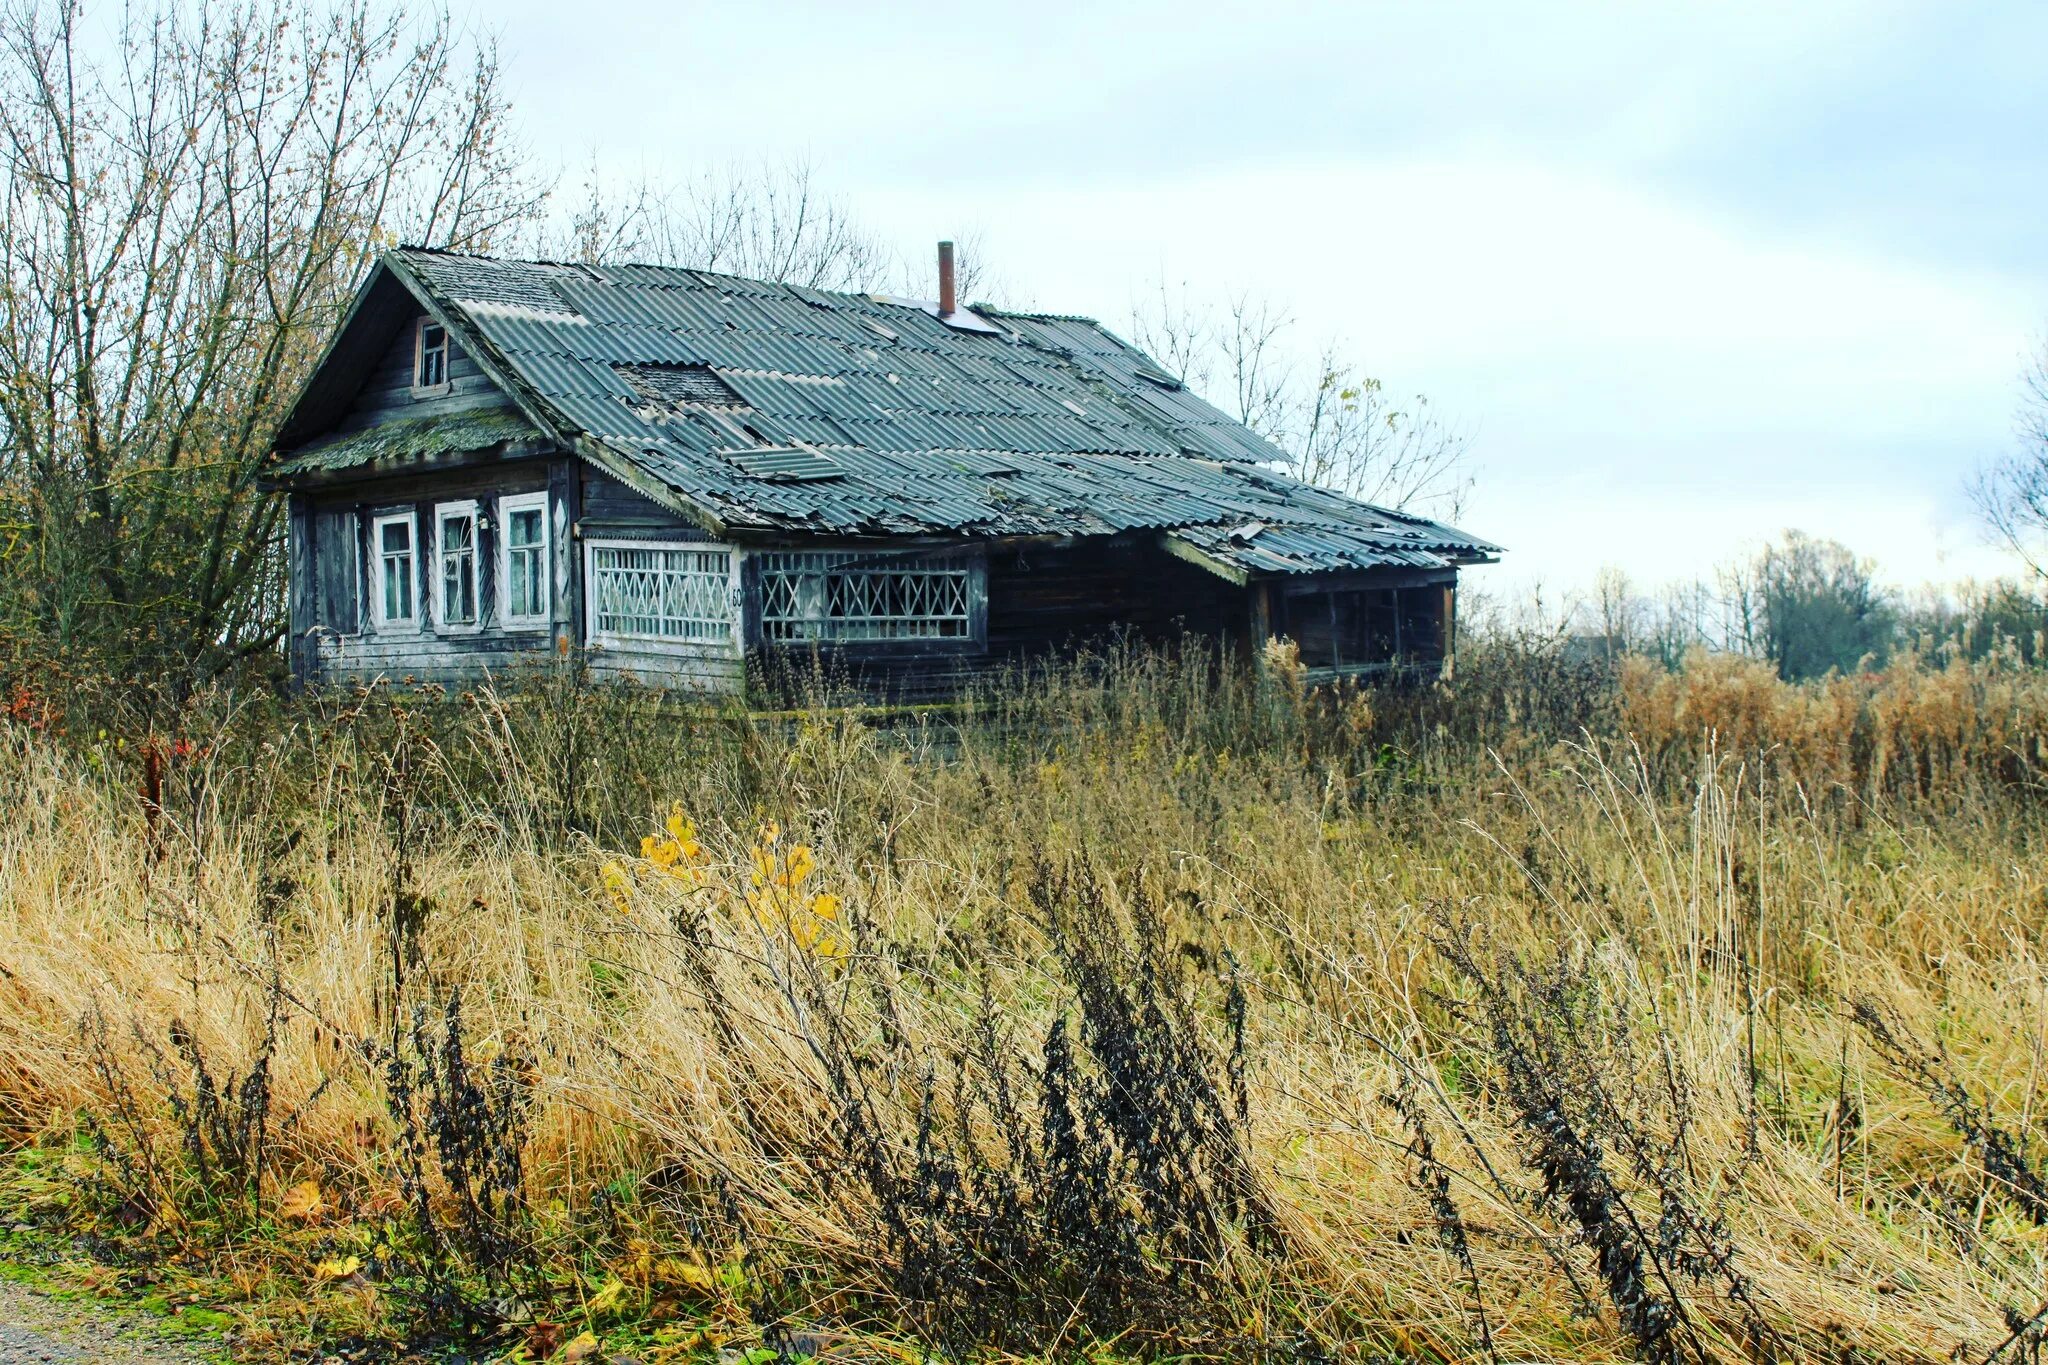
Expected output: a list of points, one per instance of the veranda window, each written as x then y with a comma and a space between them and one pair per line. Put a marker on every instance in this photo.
853, 596
1362, 628
663, 592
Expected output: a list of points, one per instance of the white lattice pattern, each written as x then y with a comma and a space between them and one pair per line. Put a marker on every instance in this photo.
856, 595
663, 594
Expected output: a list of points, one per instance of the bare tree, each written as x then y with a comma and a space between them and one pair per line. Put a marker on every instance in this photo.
2012, 494
186, 212
1339, 426
763, 220
1738, 605
1619, 615
1360, 439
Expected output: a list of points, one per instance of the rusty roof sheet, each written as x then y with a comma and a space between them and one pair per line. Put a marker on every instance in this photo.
1044, 425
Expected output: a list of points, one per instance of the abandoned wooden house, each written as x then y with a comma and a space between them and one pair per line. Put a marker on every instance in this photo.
695, 476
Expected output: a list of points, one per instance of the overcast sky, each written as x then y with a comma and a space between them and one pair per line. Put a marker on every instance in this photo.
1689, 278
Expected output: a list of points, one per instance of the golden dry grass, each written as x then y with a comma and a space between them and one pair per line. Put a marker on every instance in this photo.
1719, 905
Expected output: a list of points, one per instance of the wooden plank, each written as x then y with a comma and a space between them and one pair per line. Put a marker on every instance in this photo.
462, 481
299, 556
485, 397
1348, 579
565, 507
1450, 627
562, 500
1261, 614
606, 499
336, 553
670, 664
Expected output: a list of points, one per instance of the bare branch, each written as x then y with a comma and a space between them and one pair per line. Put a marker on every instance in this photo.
183, 216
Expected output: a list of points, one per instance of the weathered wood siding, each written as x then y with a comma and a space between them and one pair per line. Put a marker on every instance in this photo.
388, 394
1372, 621
335, 636
1044, 600
1036, 600
613, 512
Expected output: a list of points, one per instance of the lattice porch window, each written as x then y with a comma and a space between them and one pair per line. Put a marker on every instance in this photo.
855, 596
663, 592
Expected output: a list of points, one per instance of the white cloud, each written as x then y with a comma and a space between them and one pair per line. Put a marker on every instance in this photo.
1688, 386
1667, 265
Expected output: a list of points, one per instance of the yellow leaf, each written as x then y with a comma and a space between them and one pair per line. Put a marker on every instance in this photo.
690, 1273
339, 1267
584, 1347
302, 1201
606, 1297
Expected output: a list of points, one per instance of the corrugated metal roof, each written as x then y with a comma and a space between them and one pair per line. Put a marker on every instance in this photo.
1047, 425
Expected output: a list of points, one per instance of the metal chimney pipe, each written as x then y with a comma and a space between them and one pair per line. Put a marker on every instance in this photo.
947, 302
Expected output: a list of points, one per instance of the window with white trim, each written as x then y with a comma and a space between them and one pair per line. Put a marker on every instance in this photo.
392, 557
525, 595
430, 356
855, 596
662, 592
455, 564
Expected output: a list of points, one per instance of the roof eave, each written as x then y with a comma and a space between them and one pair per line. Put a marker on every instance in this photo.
1193, 554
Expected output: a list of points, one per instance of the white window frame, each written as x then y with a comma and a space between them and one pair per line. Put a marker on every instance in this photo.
731, 642
419, 358
377, 570
869, 632
507, 505
445, 512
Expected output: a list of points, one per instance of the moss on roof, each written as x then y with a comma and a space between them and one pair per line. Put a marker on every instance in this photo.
411, 441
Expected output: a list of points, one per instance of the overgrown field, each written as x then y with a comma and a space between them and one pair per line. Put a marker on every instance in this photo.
1148, 1010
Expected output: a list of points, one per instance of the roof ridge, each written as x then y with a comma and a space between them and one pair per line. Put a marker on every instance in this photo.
869, 295
609, 267
993, 311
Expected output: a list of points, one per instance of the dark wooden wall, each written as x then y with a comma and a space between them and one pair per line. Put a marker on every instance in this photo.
1058, 597
1044, 600
387, 392
1374, 620
333, 639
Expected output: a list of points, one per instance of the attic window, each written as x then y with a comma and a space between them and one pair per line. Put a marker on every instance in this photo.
430, 357
681, 385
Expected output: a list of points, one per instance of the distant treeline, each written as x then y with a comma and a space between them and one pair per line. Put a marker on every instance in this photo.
1808, 606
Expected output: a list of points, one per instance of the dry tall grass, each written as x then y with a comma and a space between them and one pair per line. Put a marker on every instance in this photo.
1133, 1006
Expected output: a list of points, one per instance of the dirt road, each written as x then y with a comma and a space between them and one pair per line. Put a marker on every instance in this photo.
38, 1330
